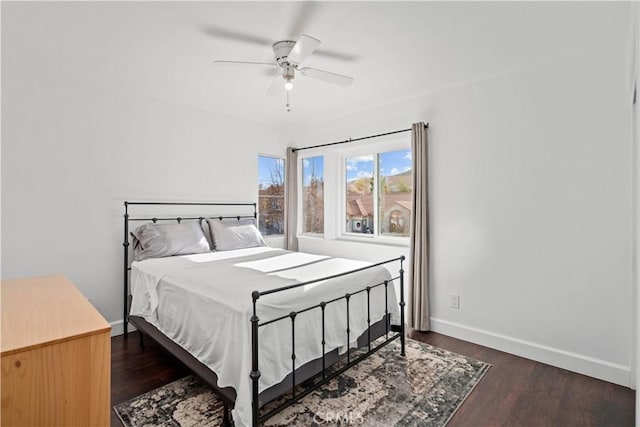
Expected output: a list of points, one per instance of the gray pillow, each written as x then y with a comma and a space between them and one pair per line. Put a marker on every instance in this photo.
207, 232
162, 240
204, 223
234, 234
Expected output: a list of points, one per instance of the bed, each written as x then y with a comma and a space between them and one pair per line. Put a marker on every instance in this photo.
259, 324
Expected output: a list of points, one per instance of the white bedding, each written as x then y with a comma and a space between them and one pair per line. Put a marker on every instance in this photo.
203, 302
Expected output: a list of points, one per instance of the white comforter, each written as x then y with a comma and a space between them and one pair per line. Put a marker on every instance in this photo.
203, 302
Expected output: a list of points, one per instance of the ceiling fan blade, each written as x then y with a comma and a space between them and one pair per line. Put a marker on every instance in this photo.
303, 48
277, 86
236, 36
333, 54
256, 64
270, 72
336, 79
303, 15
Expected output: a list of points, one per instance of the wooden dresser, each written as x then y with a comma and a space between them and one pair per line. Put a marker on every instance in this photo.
56, 355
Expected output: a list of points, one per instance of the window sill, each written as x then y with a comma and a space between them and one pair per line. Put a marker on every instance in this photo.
375, 240
311, 235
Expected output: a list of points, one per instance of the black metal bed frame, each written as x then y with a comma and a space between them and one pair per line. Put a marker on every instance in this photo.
256, 323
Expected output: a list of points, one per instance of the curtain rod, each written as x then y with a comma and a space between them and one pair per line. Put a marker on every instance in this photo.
354, 139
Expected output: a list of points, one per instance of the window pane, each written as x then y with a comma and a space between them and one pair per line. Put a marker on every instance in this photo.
271, 195
313, 195
359, 194
394, 192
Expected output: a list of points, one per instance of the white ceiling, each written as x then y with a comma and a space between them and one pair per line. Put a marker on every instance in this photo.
164, 50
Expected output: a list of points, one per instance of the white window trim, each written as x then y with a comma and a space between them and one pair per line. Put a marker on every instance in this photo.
312, 235
394, 144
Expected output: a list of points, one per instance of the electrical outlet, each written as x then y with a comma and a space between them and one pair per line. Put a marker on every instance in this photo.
454, 301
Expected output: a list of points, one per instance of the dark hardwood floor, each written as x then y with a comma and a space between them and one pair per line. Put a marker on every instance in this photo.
514, 392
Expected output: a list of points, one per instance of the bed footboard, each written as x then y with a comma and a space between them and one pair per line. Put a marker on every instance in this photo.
255, 374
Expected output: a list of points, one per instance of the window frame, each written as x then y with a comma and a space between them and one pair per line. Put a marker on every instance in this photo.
393, 144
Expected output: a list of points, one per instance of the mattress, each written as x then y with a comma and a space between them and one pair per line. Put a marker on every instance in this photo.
203, 303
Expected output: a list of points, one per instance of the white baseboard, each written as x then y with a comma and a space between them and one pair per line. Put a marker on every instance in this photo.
581, 364
117, 328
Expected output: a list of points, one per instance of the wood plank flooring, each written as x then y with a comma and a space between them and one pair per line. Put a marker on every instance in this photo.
515, 391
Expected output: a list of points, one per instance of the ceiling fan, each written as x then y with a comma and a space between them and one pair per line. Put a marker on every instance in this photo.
289, 56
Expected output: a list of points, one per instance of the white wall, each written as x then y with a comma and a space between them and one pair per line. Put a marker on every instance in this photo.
531, 212
72, 152
530, 190
633, 44
636, 247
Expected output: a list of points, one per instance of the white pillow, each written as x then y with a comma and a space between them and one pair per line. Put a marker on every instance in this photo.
234, 234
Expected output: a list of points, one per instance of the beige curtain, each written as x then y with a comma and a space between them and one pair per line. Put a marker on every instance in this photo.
291, 200
419, 239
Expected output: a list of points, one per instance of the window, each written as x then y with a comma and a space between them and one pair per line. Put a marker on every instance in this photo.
270, 195
359, 201
313, 195
378, 193
394, 192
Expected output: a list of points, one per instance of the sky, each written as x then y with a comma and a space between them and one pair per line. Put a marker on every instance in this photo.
391, 163
312, 164
265, 166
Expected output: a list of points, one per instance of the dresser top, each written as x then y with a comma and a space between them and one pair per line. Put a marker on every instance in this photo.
44, 310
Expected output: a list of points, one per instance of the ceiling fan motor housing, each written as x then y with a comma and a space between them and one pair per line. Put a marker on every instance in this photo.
281, 51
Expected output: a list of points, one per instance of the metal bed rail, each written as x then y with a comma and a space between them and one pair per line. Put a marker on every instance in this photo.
326, 377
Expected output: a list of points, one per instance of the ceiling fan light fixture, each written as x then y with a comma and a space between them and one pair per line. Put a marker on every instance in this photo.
288, 85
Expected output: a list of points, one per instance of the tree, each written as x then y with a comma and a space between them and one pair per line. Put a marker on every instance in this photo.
313, 201
384, 185
271, 200
361, 186
277, 175
403, 187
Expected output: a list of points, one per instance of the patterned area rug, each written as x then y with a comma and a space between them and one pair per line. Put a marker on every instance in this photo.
425, 388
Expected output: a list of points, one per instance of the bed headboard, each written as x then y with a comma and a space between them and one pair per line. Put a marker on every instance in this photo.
161, 211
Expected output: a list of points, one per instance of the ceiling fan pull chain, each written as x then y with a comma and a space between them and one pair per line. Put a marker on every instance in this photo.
288, 104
